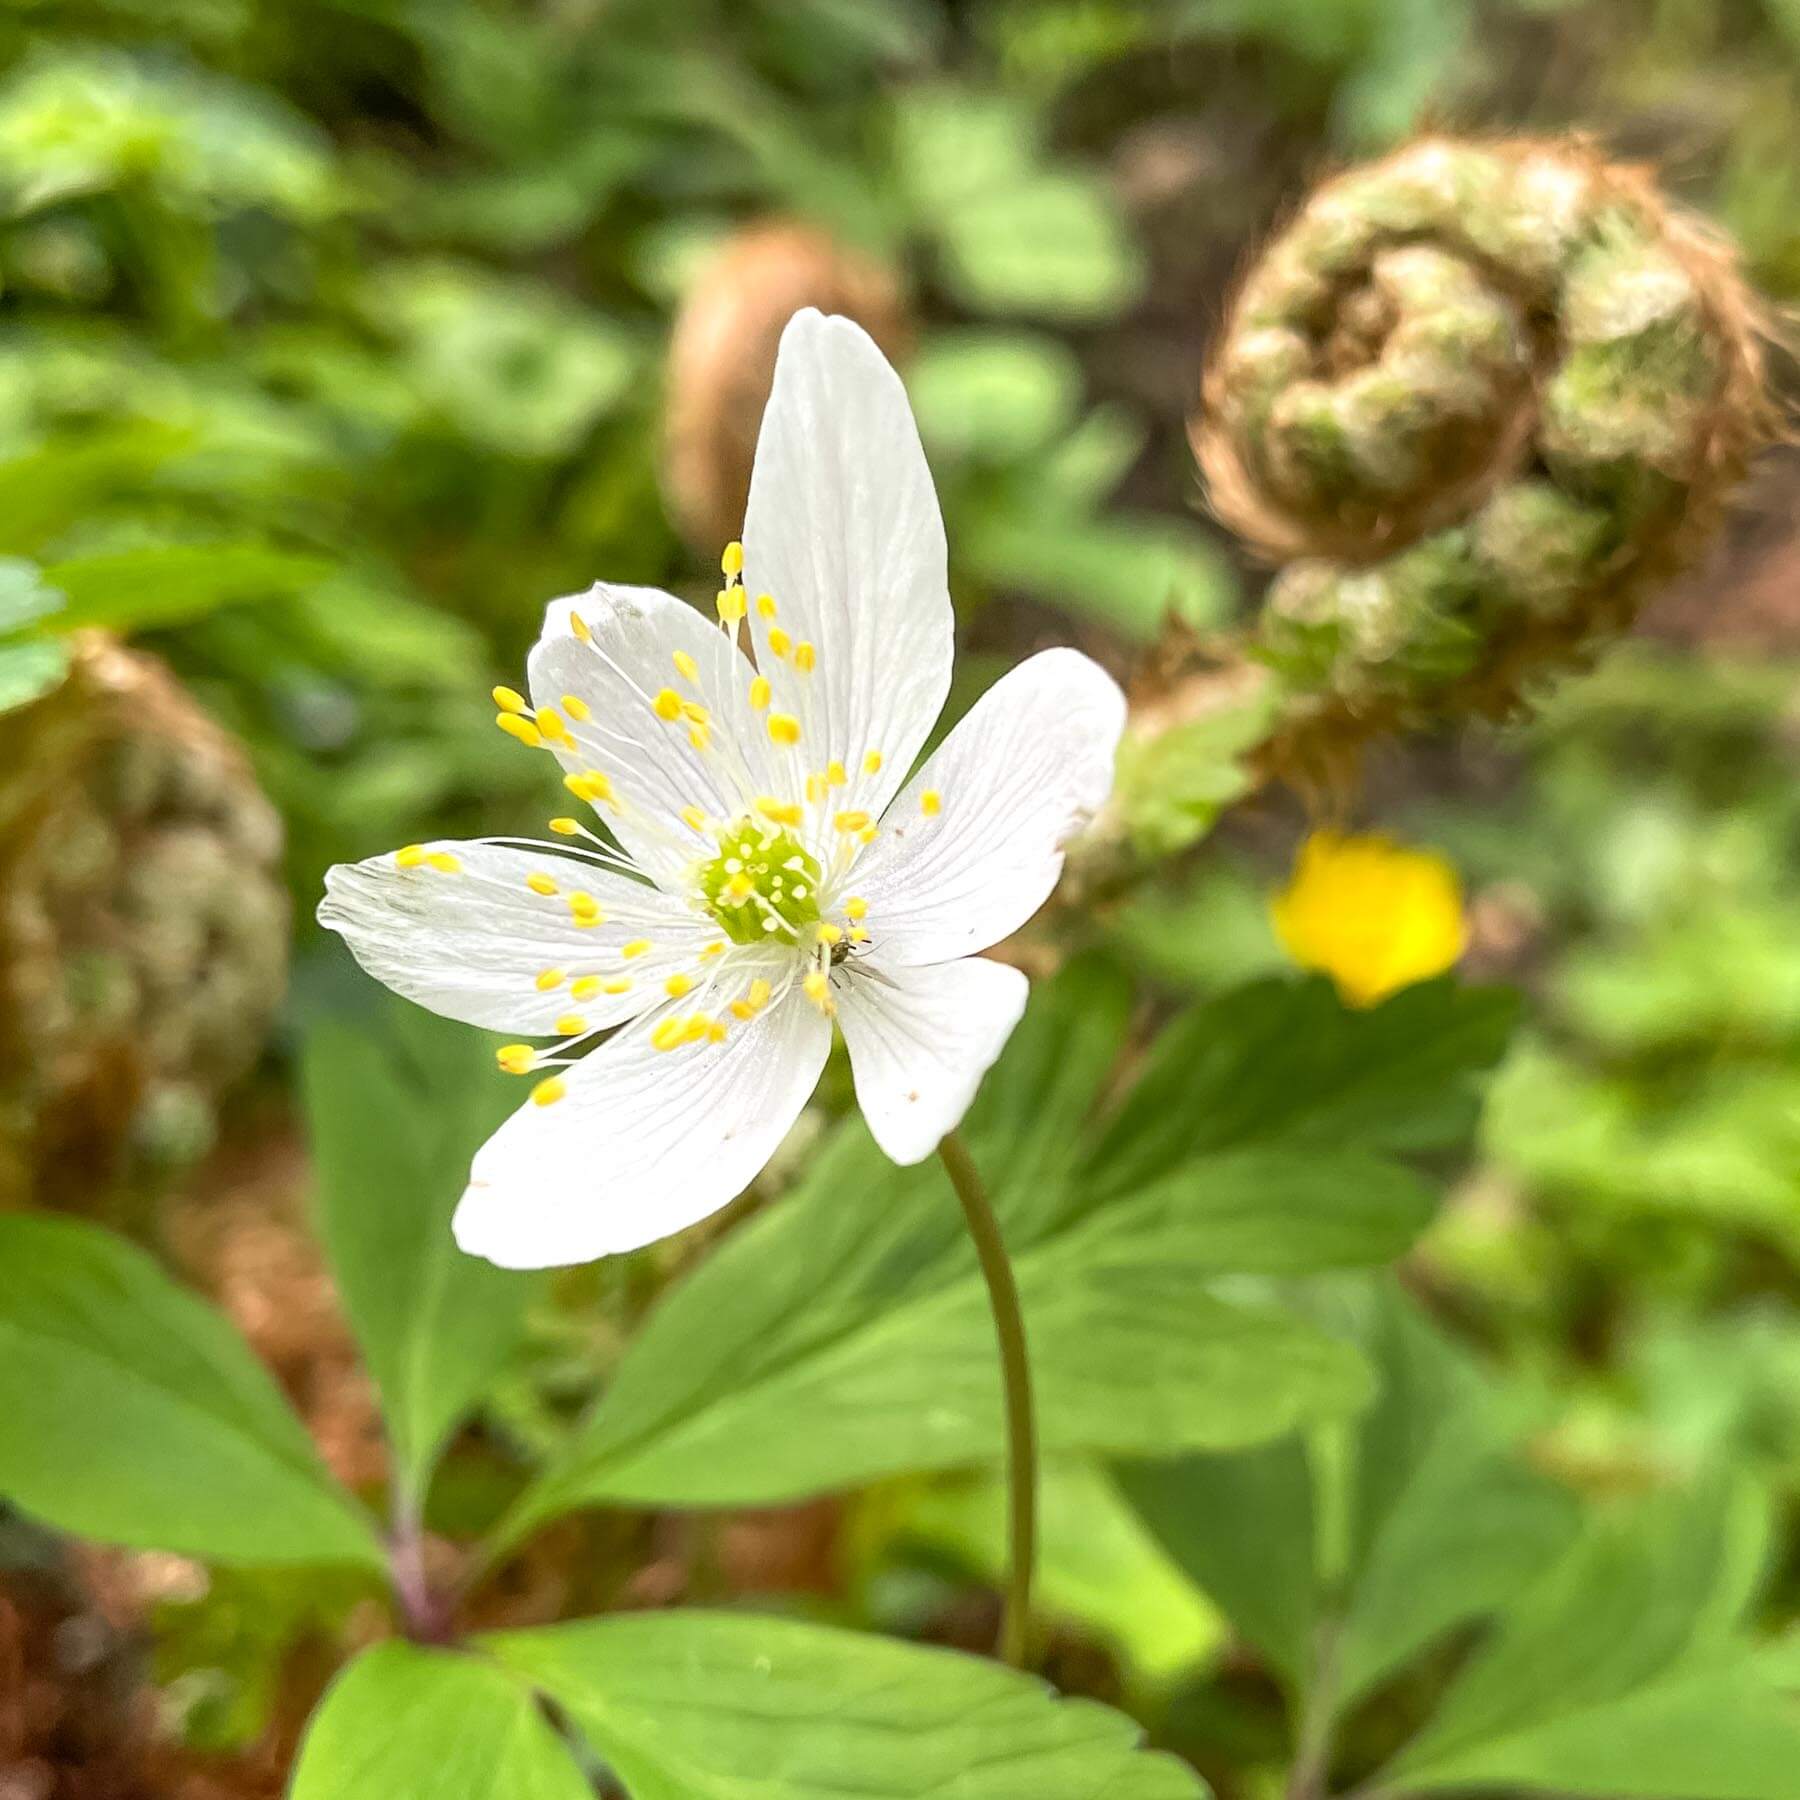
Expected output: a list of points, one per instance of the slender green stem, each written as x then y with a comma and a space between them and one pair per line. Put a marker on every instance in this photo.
1015, 1373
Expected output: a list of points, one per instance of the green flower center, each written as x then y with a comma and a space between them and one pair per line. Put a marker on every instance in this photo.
763, 884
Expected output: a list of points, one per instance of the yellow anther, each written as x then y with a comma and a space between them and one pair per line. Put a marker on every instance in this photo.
697, 736
579, 626
549, 722
834, 773
667, 704
732, 562
759, 993
829, 933
730, 603
540, 884
575, 706
516, 1059
760, 692
868, 835
636, 947
566, 827
668, 1032
781, 812
817, 987
765, 606
619, 984
805, 656
509, 700
853, 821
584, 987
779, 641
547, 1093
677, 985
715, 948
872, 763
695, 713
931, 803
856, 907
442, 860
694, 818
784, 728
815, 789
548, 980
571, 1025
590, 785
686, 666
584, 909
858, 935
715, 1031
410, 857
522, 729
697, 1028
739, 887
742, 1009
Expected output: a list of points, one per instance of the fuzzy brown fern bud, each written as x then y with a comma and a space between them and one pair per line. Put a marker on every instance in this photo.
143, 928
1474, 399
722, 359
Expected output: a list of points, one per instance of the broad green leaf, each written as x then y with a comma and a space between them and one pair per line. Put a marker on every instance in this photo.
1243, 1527
432, 1725
30, 669
132, 1412
394, 1117
1645, 1601
173, 584
993, 395
718, 1706
845, 1334
1097, 1564
24, 599
1284, 1061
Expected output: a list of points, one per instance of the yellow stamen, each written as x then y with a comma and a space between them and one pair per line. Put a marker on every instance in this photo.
739, 887
547, 1093
575, 706
571, 1025
585, 987
509, 700
686, 666
857, 820
732, 562
697, 736
410, 857
856, 907
618, 985
834, 773
931, 803
444, 861
715, 1032
805, 656
872, 763
760, 692
867, 836
742, 1009
566, 827
694, 818
677, 985
765, 605
730, 603
590, 785
697, 1029
817, 987
540, 884
784, 728
815, 789
759, 993
779, 641
585, 910
781, 812
667, 704
549, 722
635, 948
715, 948
579, 626
668, 1032
858, 935
516, 1059
829, 933
522, 729
549, 980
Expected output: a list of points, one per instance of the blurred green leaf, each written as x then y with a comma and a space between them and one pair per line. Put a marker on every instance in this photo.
992, 394
171, 584
132, 1412
28, 670
711, 1706
432, 1725
394, 1117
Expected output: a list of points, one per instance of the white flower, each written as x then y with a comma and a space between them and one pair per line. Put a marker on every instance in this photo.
771, 872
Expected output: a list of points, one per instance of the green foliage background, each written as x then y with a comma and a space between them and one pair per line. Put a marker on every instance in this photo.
331, 345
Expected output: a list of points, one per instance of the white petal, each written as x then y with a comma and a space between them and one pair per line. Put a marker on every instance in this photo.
1016, 779
644, 1142
844, 532
471, 943
920, 1041
616, 673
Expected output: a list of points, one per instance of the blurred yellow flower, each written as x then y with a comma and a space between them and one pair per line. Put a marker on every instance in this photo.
1371, 914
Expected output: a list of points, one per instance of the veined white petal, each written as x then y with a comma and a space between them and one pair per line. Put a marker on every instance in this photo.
843, 532
920, 1040
1028, 766
471, 942
629, 658
643, 1143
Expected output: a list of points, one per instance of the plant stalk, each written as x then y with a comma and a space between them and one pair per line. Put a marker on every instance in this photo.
1015, 1375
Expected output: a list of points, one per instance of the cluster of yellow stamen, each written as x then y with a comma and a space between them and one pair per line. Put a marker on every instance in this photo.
416, 856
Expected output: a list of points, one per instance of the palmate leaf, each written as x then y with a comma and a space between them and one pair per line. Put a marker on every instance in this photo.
394, 1112
844, 1335
132, 1412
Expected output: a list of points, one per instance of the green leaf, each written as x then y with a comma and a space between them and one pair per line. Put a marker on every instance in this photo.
992, 395
24, 599
394, 1117
174, 584
432, 1725
716, 1706
845, 1334
1635, 1623
1284, 1061
30, 670
132, 1412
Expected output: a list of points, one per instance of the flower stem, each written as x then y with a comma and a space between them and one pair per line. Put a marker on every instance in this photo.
1015, 1373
